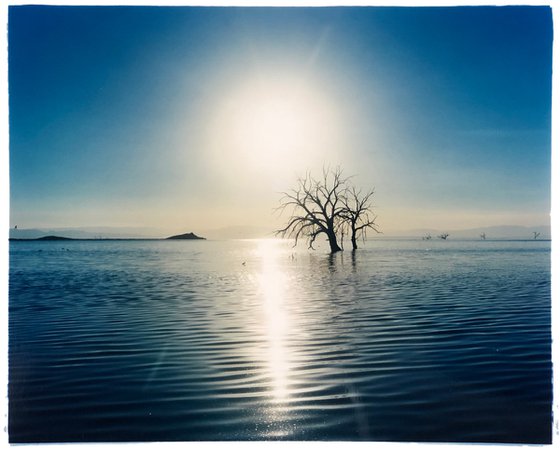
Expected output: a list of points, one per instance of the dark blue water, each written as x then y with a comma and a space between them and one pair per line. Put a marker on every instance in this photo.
253, 340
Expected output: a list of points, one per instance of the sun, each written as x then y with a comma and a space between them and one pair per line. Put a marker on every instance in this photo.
274, 124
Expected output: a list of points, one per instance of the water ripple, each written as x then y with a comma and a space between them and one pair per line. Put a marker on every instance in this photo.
401, 341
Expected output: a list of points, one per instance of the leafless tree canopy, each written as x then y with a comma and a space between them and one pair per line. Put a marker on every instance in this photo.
330, 205
357, 214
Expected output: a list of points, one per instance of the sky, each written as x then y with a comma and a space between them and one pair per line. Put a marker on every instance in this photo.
195, 118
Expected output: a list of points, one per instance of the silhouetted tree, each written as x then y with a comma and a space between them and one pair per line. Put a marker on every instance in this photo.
357, 214
327, 206
536, 234
316, 208
444, 236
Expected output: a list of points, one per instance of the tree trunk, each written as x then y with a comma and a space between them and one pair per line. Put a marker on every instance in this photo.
354, 241
333, 243
354, 236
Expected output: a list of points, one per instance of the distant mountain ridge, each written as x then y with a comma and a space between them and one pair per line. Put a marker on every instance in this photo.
85, 233
44, 238
239, 232
101, 233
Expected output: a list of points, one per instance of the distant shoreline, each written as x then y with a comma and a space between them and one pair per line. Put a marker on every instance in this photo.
90, 239
102, 239
390, 238
50, 238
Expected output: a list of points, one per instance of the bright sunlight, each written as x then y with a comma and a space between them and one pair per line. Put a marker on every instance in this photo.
272, 282
273, 125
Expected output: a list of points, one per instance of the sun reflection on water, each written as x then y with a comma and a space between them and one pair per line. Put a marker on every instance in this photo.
273, 283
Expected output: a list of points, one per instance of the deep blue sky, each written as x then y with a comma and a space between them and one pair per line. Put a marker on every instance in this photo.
127, 116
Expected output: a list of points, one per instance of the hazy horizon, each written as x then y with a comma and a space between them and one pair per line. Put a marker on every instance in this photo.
253, 232
194, 118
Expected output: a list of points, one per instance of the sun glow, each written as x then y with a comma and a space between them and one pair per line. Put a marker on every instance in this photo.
274, 125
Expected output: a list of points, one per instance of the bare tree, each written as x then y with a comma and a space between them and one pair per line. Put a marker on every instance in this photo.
358, 214
316, 208
536, 234
330, 206
443, 236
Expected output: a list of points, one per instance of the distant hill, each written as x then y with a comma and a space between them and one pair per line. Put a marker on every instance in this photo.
43, 238
54, 238
239, 232
185, 236
87, 233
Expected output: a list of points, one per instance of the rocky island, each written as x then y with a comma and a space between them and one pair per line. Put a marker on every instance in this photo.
185, 236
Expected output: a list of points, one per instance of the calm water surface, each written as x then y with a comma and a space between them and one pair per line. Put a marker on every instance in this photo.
253, 340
